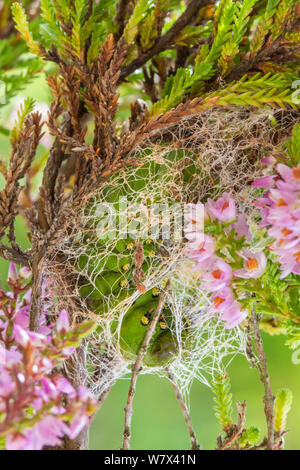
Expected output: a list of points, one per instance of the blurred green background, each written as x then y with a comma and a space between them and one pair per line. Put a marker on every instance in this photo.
157, 421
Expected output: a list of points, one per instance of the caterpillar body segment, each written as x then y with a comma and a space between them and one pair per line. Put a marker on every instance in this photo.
111, 264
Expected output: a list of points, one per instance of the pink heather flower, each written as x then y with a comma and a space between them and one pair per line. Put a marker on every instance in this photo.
2, 354
37, 340
263, 203
68, 351
63, 323
289, 259
64, 386
241, 228
7, 385
27, 298
193, 219
223, 209
22, 309
270, 160
289, 175
254, 264
285, 230
283, 195
27, 377
22, 317
44, 330
280, 212
48, 432
48, 387
233, 315
264, 182
21, 336
230, 309
79, 421
84, 394
202, 248
222, 300
24, 273
17, 442
9, 357
220, 276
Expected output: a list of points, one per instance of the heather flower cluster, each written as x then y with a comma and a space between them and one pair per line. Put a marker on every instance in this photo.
221, 270
37, 405
280, 212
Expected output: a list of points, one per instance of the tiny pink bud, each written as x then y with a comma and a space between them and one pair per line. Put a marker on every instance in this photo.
79, 421
264, 182
83, 393
64, 386
12, 273
270, 160
48, 386
63, 323
38, 340
46, 363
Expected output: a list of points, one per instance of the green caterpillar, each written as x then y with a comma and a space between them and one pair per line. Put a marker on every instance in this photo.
115, 285
113, 272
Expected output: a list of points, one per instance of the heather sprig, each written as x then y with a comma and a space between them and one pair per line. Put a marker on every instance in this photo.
238, 276
38, 405
224, 258
280, 209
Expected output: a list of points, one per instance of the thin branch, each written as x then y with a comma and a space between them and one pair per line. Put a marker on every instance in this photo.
36, 297
23, 152
10, 254
194, 443
262, 368
137, 368
120, 19
51, 172
251, 62
235, 431
164, 42
138, 273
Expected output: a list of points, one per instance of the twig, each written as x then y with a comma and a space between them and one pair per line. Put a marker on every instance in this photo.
11, 254
236, 430
262, 368
120, 19
137, 368
51, 172
36, 297
138, 273
166, 40
194, 443
250, 64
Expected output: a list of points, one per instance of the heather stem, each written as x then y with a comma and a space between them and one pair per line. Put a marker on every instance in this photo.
137, 368
262, 368
194, 443
36, 296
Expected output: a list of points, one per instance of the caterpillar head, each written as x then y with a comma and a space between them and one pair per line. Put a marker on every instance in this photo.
163, 345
